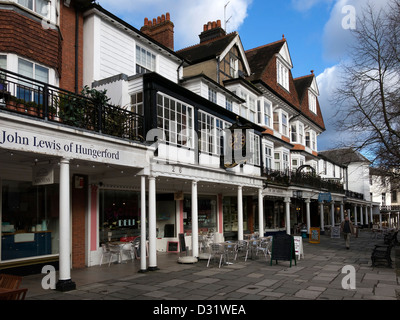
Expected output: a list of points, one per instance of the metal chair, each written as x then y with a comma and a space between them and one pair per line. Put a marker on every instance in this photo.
230, 248
242, 246
265, 247
129, 250
216, 249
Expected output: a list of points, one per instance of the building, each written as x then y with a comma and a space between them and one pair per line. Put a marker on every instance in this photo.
212, 139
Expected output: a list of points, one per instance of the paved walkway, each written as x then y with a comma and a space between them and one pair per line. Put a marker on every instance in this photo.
317, 276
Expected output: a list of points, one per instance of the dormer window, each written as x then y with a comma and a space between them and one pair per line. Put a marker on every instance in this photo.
312, 102
282, 75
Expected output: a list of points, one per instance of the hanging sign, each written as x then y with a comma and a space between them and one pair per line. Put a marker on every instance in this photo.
325, 196
237, 150
42, 175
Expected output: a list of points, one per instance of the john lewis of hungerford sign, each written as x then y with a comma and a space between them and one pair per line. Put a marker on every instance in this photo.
26, 141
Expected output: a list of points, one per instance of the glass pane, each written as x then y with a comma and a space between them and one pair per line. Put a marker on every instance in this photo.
26, 3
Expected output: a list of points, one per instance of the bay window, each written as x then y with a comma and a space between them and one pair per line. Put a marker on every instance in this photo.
176, 120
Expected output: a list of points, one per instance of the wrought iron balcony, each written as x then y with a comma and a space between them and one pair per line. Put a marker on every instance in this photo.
301, 179
23, 95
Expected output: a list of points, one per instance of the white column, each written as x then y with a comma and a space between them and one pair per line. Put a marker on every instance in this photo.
380, 220
65, 283
152, 225
321, 209
355, 215
308, 215
366, 215
332, 213
195, 221
143, 263
370, 213
361, 216
342, 212
240, 212
287, 211
260, 212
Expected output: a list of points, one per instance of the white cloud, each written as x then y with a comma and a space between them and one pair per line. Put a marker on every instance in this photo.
337, 31
305, 5
188, 22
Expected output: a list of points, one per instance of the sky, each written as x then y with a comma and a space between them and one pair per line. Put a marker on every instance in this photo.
318, 33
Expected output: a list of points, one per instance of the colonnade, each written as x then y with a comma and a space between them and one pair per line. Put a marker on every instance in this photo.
65, 282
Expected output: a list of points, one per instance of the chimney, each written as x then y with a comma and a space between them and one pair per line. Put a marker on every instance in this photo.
161, 29
211, 31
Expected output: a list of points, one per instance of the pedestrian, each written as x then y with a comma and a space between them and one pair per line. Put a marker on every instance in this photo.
347, 228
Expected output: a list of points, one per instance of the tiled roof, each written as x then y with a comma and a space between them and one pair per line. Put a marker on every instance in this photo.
262, 61
302, 84
208, 49
343, 156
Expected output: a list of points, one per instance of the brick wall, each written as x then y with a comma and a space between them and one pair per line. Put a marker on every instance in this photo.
67, 28
27, 38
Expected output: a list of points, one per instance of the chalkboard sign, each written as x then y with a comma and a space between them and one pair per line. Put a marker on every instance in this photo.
335, 232
172, 246
283, 248
182, 243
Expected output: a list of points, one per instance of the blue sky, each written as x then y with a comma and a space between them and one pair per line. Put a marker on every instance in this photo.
313, 28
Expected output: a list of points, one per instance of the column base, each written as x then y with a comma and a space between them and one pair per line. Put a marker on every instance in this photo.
65, 285
143, 271
152, 269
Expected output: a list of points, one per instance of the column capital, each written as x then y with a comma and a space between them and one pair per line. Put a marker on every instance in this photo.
286, 199
307, 200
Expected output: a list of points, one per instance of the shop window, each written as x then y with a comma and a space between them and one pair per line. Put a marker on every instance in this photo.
207, 214
119, 212
29, 220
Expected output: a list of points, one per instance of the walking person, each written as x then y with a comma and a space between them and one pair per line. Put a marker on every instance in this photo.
347, 228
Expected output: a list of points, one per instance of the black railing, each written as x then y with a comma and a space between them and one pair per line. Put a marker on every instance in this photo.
37, 99
354, 195
301, 179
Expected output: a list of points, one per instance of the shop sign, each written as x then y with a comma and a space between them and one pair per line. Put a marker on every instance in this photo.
42, 175
27, 141
325, 196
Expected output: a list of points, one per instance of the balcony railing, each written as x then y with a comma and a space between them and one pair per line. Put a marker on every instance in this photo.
23, 95
301, 179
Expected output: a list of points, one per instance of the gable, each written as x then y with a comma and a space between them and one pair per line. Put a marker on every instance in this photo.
238, 43
284, 55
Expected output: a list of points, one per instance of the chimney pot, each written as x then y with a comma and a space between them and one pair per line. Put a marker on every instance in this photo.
160, 29
218, 23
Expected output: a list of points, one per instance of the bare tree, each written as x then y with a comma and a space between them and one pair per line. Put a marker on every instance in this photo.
368, 96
